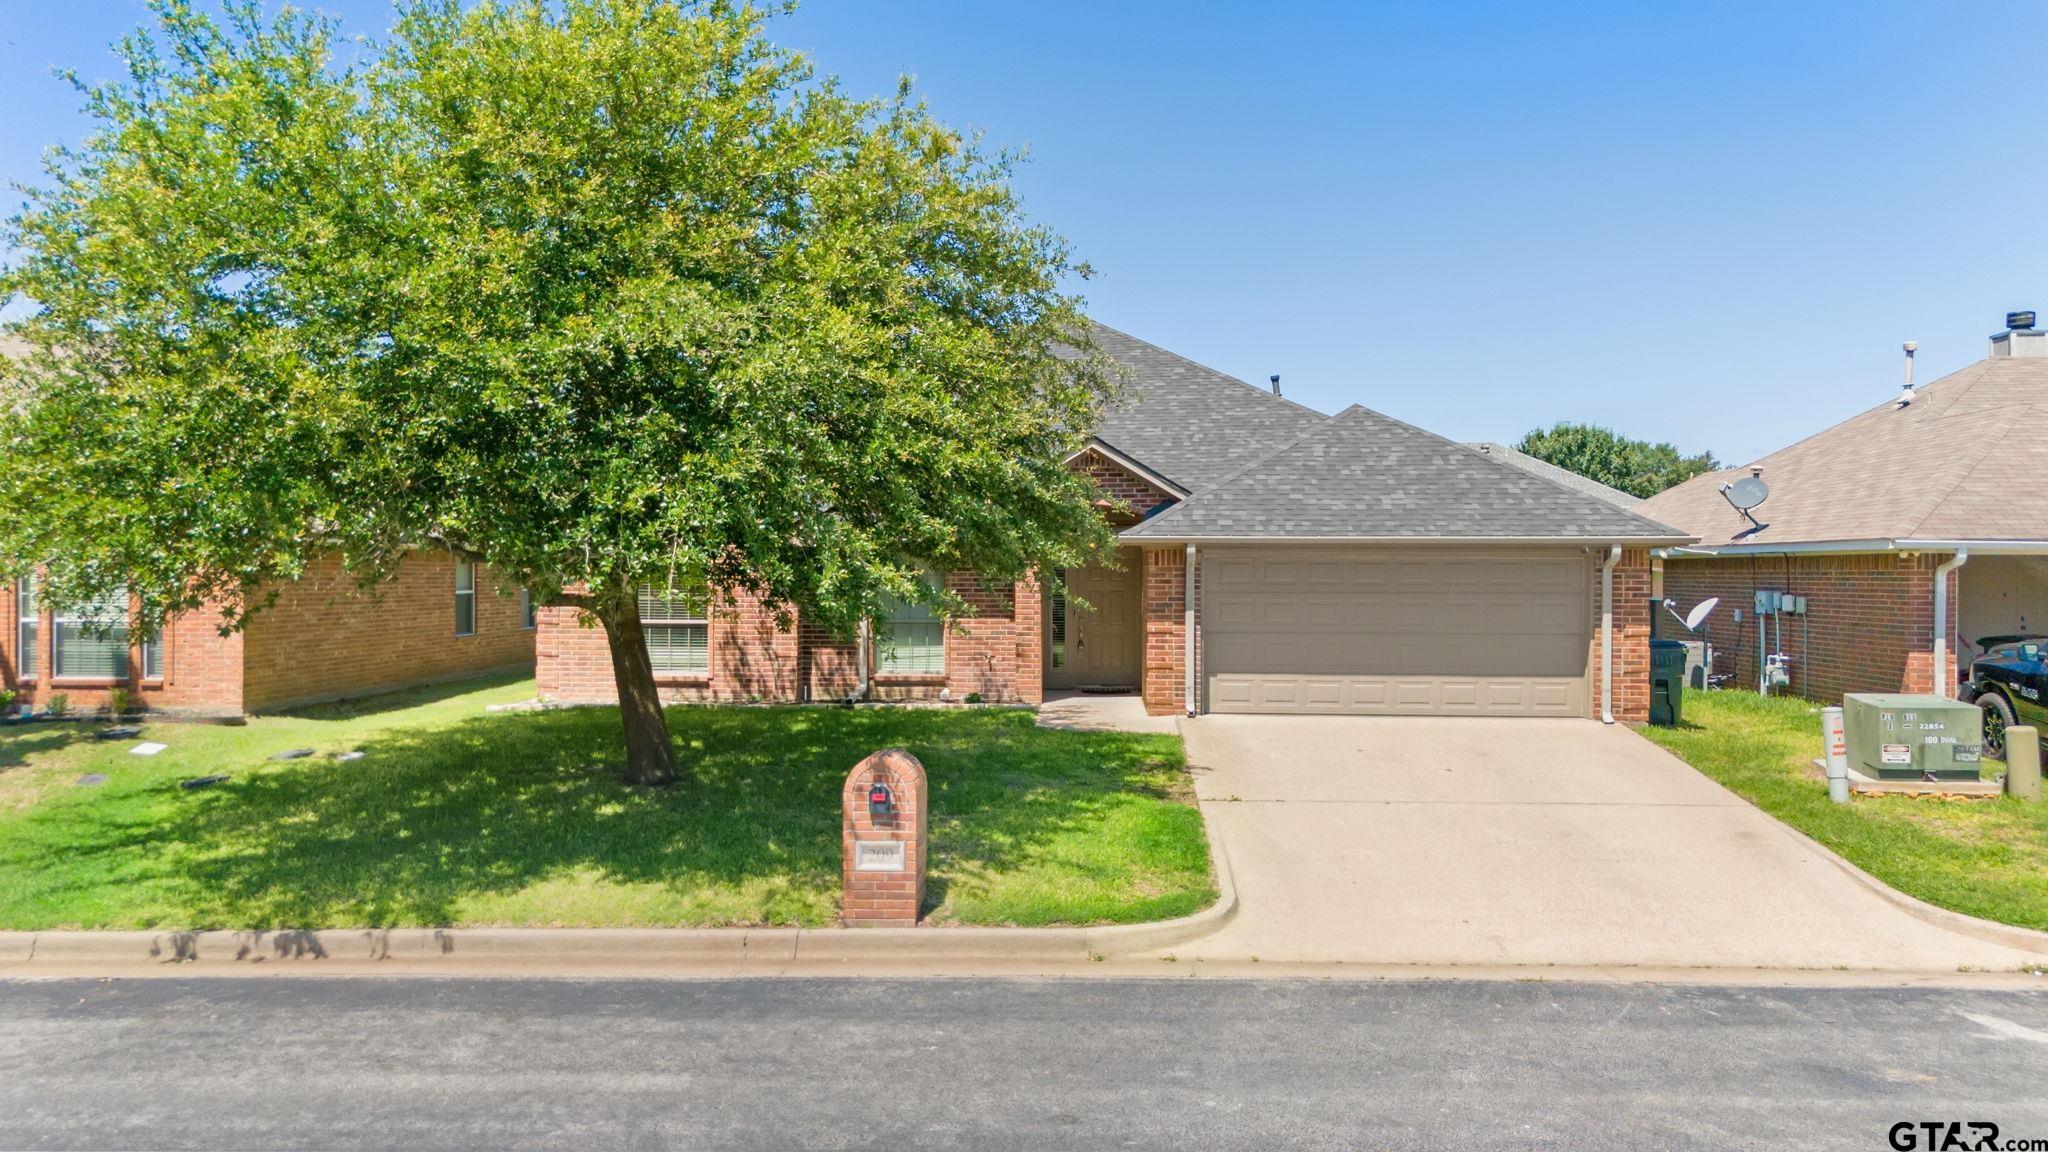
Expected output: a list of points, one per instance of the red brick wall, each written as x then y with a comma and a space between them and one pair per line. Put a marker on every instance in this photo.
1868, 628
1165, 616
995, 652
752, 658
321, 639
324, 639
1631, 636
201, 668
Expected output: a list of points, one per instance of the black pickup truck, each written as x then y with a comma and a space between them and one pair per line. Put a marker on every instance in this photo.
2010, 683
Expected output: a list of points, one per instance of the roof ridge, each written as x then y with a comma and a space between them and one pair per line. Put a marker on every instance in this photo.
1330, 425
1873, 410
1559, 485
1498, 463
1510, 452
1246, 384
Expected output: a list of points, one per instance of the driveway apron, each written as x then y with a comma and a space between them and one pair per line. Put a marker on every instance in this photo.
1523, 842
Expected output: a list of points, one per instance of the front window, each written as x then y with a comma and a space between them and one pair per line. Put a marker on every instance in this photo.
27, 629
153, 656
92, 641
912, 640
527, 619
676, 624
465, 598
1056, 613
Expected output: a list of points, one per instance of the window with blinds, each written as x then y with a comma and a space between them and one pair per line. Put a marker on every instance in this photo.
1056, 615
465, 598
92, 642
676, 623
153, 656
527, 619
912, 639
28, 630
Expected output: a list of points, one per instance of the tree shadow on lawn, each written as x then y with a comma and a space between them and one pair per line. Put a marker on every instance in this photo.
492, 805
399, 699
19, 742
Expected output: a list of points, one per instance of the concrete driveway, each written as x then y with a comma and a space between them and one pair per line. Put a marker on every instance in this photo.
1523, 842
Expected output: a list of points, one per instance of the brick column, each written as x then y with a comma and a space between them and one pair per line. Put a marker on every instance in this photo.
1029, 685
1165, 600
1631, 636
882, 857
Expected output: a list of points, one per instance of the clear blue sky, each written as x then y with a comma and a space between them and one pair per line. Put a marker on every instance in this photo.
1708, 223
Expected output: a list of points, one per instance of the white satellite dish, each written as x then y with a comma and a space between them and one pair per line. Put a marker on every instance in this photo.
1747, 492
1699, 613
1693, 619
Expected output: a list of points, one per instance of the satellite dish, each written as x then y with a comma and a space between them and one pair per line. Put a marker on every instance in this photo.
1700, 611
1747, 492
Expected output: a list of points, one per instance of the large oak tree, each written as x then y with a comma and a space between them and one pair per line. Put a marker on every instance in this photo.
601, 292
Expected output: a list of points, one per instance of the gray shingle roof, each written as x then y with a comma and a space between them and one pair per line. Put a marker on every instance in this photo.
1192, 424
1367, 476
1564, 476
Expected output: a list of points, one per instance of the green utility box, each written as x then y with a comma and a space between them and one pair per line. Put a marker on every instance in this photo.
1667, 681
1895, 737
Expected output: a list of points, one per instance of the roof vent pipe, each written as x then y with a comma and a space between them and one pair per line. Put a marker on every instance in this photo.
1275, 379
1906, 392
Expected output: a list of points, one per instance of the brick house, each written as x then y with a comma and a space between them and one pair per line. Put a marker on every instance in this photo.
1272, 559
439, 618
1909, 533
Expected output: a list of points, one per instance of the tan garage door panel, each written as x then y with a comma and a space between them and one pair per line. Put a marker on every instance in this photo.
1370, 631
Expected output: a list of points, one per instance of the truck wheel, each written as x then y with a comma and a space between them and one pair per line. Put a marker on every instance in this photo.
1997, 718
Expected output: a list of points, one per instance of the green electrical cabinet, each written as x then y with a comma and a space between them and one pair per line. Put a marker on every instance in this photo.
1899, 737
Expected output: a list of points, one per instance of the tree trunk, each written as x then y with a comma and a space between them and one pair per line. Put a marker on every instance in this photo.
650, 757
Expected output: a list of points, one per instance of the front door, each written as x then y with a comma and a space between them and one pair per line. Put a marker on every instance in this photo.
1097, 646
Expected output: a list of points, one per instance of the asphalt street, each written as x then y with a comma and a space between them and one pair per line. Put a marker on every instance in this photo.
504, 1063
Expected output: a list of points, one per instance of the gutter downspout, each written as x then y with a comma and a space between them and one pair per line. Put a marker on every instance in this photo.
1607, 633
1944, 682
1188, 636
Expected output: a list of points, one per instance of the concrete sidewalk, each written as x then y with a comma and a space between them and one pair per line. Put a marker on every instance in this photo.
1525, 842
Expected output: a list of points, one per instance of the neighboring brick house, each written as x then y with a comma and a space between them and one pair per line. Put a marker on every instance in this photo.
1346, 564
439, 618
1929, 504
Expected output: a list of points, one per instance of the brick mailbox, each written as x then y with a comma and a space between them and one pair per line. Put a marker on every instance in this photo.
882, 841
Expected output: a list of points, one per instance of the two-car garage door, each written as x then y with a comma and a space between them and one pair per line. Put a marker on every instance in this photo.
1377, 631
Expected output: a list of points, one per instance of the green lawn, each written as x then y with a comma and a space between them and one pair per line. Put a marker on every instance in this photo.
458, 817
1986, 858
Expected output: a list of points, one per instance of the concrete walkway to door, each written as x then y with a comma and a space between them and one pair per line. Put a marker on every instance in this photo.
1524, 842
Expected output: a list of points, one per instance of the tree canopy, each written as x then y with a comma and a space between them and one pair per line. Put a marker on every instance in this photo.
1636, 467
600, 292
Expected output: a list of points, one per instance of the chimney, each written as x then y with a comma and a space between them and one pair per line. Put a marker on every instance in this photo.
1275, 380
2020, 339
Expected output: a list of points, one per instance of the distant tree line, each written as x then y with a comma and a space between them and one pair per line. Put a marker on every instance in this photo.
1636, 467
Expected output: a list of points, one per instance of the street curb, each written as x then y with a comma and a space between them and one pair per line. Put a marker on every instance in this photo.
1989, 931
1975, 927
739, 947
